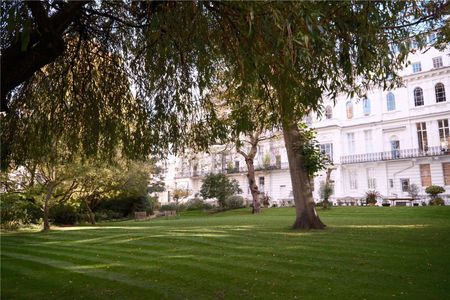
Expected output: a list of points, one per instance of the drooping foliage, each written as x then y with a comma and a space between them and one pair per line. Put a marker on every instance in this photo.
153, 64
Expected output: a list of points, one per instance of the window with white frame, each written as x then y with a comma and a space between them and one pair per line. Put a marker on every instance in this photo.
351, 142
437, 62
418, 96
425, 174
422, 136
366, 106
390, 101
439, 90
368, 141
446, 172
444, 133
371, 180
327, 149
404, 183
416, 67
353, 179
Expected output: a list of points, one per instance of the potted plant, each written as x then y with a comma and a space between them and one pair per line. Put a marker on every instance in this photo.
371, 197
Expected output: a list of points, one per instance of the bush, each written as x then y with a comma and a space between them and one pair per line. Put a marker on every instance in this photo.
233, 202
16, 211
434, 190
63, 214
173, 206
105, 215
197, 204
219, 186
437, 201
126, 206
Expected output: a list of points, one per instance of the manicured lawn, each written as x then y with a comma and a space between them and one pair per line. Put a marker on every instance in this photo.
366, 253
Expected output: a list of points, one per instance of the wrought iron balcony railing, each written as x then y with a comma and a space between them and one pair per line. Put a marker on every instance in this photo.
393, 155
243, 169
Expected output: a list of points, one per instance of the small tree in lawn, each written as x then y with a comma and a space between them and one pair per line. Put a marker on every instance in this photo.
180, 193
325, 191
413, 191
434, 191
219, 186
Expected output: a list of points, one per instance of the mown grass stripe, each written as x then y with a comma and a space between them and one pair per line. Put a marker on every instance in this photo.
108, 275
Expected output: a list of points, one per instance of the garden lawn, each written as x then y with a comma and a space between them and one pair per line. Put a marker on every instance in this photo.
365, 253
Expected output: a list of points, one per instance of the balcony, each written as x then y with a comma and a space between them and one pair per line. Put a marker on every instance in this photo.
394, 155
243, 169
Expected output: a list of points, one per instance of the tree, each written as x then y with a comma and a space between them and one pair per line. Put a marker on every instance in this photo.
325, 191
219, 186
58, 182
413, 191
252, 140
179, 193
174, 52
434, 190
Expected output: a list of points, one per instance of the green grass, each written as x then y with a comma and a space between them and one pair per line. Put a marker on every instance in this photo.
365, 253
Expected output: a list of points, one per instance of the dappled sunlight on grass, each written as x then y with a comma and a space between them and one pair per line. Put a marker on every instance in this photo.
364, 253
96, 266
410, 226
72, 228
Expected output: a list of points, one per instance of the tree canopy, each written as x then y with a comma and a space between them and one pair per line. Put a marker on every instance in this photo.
91, 66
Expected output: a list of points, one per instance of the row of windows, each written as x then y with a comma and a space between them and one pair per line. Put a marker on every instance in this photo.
439, 90
422, 138
437, 63
425, 178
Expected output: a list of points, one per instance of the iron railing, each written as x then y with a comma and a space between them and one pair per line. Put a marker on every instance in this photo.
394, 154
243, 169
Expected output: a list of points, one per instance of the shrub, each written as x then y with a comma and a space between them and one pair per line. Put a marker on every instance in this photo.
233, 202
371, 197
173, 206
16, 211
434, 190
169, 206
413, 191
63, 214
197, 204
126, 206
219, 186
437, 201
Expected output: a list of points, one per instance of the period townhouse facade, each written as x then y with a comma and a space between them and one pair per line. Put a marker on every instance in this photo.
384, 142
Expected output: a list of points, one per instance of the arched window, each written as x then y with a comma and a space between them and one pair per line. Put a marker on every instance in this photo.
328, 112
390, 101
439, 89
366, 107
418, 96
349, 109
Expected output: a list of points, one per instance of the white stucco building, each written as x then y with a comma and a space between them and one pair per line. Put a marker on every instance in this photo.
386, 142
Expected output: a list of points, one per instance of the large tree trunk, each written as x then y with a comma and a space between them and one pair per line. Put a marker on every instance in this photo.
306, 215
50, 187
45, 45
252, 185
